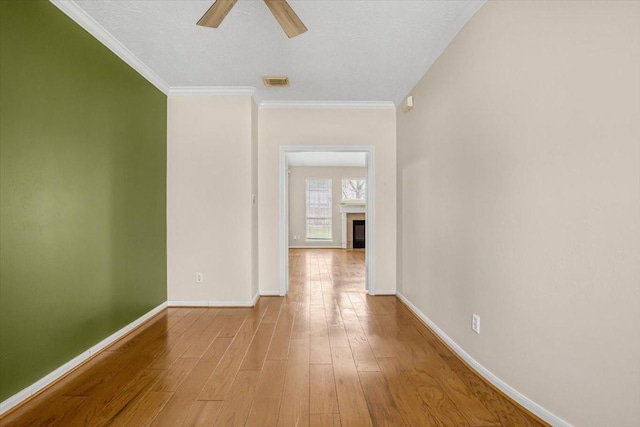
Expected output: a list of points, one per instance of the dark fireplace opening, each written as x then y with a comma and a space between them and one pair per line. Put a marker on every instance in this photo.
358, 233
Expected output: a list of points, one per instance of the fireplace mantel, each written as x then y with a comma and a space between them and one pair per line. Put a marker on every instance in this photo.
349, 208
346, 208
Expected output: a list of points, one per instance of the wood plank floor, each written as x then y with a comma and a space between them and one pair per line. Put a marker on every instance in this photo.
325, 355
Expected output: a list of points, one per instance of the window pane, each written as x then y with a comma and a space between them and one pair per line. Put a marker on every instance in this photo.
319, 229
319, 211
354, 189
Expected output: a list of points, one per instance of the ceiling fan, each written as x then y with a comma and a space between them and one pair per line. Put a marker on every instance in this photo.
286, 17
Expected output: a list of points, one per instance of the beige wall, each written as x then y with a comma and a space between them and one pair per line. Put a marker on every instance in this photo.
518, 194
298, 199
209, 186
327, 127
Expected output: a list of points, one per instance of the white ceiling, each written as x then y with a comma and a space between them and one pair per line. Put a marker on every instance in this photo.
342, 159
363, 51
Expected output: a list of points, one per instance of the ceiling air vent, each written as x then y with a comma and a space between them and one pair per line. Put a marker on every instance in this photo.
275, 81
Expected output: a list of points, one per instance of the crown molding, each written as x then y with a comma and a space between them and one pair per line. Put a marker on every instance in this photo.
329, 105
211, 90
82, 18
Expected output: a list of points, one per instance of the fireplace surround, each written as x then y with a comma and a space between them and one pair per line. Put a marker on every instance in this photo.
350, 212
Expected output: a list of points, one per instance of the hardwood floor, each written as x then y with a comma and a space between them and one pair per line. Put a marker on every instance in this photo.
325, 355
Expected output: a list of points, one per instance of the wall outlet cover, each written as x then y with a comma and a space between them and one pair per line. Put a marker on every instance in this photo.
475, 323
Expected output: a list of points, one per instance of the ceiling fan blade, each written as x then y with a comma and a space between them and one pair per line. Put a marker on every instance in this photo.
216, 13
287, 18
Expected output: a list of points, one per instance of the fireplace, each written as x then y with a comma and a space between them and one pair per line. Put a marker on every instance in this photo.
349, 213
359, 233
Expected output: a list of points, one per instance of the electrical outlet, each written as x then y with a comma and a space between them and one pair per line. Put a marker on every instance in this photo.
475, 323
199, 278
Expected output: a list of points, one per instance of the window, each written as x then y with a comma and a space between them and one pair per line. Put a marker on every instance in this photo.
318, 209
354, 190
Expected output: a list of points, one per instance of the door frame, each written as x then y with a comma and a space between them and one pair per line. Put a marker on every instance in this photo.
284, 208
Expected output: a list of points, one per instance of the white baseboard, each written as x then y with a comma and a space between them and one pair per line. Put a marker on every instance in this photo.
316, 247
45, 381
523, 400
269, 293
255, 299
200, 303
187, 303
384, 292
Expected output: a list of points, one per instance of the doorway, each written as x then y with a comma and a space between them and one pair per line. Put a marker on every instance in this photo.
286, 152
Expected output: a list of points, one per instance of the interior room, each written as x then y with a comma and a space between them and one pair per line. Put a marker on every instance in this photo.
182, 185
326, 217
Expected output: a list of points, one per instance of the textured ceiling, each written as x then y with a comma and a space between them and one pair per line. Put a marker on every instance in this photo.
354, 50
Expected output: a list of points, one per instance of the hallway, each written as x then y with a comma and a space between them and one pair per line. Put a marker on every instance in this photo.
325, 355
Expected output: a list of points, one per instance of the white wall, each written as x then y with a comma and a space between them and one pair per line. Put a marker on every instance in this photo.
298, 199
327, 127
209, 184
519, 200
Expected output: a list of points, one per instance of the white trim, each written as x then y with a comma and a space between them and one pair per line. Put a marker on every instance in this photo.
283, 221
329, 105
465, 14
190, 303
255, 299
523, 400
42, 383
82, 18
269, 293
315, 247
346, 208
284, 214
211, 90
369, 230
385, 292
231, 303
202, 303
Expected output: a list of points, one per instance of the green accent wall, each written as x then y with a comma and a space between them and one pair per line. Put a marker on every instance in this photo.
82, 192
